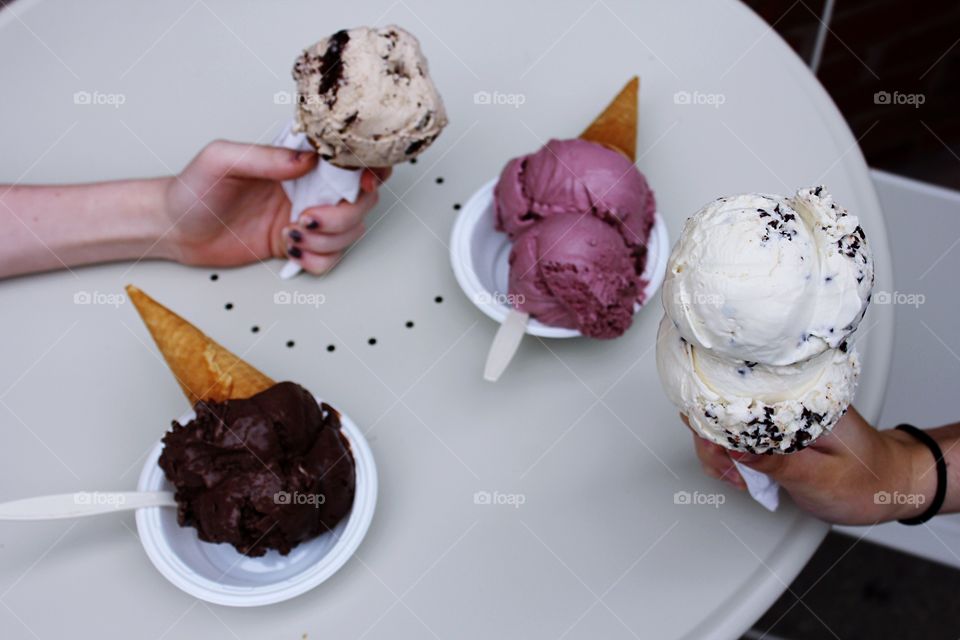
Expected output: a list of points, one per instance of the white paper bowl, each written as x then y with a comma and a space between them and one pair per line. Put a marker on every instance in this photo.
218, 573
480, 257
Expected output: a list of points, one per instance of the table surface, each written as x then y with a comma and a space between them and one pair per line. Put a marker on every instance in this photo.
577, 430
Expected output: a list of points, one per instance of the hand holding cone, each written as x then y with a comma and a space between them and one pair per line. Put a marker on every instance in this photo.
204, 369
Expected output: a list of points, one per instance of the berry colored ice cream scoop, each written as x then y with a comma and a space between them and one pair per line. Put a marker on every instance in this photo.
575, 176
574, 270
579, 215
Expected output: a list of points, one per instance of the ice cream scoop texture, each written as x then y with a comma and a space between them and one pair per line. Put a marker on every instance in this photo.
768, 278
365, 97
266, 472
758, 408
579, 215
574, 270
575, 176
762, 296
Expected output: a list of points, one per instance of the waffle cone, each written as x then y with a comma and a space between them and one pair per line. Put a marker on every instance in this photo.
616, 127
203, 368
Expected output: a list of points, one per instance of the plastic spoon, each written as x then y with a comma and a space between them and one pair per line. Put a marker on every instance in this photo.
84, 503
505, 344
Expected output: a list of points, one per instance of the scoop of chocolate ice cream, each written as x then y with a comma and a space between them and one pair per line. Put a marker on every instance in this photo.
267, 472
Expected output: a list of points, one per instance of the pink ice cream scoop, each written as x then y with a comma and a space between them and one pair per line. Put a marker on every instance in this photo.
579, 215
574, 270
575, 176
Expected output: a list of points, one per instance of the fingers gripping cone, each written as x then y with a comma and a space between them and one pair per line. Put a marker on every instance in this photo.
203, 368
616, 127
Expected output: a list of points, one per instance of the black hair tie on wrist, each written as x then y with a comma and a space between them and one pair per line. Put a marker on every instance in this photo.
941, 492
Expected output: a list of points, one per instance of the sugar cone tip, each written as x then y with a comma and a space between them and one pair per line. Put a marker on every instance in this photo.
203, 369
616, 126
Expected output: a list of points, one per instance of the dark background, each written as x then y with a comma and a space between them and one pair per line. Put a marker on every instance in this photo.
907, 46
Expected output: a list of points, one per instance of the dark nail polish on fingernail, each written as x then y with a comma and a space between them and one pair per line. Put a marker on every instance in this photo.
298, 155
295, 235
313, 225
294, 252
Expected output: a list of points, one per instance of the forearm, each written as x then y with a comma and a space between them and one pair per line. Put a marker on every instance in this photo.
52, 227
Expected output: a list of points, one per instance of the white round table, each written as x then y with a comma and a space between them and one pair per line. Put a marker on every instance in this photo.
576, 447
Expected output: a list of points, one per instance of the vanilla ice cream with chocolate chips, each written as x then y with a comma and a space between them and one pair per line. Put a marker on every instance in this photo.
365, 98
762, 296
768, 278
748, 406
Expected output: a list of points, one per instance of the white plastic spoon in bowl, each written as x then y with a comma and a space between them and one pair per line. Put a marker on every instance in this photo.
84, 503
505, 344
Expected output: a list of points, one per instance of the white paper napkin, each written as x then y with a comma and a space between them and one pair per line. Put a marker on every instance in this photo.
326, 184
761, 487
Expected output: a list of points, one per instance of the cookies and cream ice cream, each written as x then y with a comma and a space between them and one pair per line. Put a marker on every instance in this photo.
754, 407
769, 278
365, 97
762, 296
579, 215
266, 472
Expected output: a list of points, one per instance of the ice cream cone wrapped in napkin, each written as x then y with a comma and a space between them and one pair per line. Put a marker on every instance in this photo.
365, 99
763, 294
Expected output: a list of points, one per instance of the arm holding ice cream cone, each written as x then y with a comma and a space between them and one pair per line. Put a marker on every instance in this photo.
372, 104
853, 475
226, 208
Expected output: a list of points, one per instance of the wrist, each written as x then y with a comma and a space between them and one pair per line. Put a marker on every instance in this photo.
157, 232
914, 485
